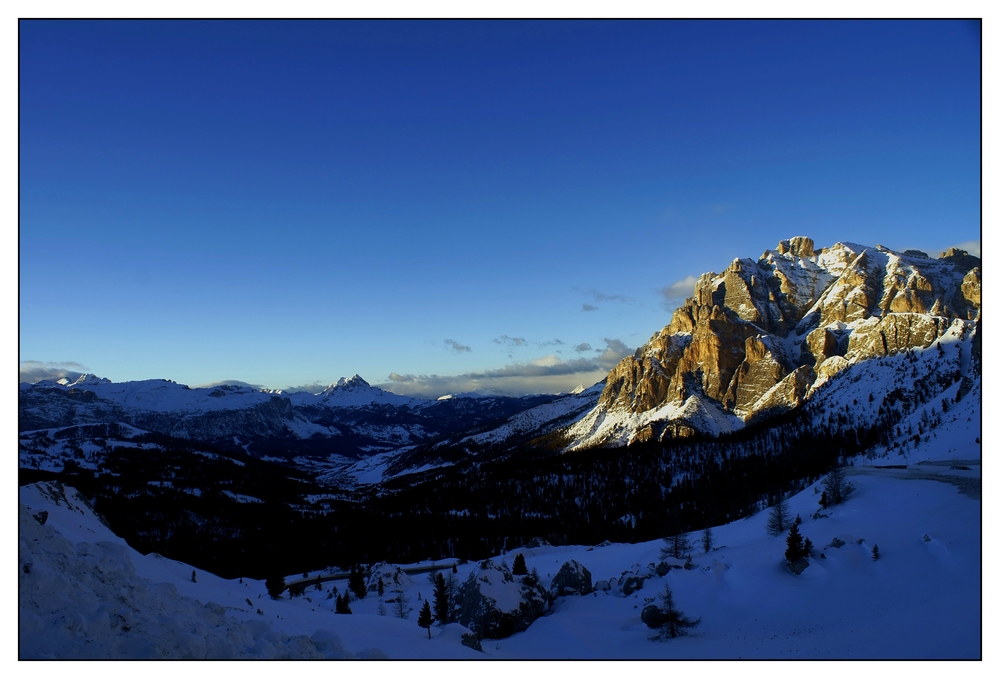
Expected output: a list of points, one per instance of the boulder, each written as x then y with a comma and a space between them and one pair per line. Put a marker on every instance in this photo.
652, 616
469, 639
495, 604
572, 578
633, 583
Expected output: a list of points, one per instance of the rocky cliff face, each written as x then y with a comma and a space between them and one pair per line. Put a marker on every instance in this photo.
755, 339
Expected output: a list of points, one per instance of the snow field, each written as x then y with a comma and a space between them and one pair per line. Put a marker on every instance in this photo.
843, 606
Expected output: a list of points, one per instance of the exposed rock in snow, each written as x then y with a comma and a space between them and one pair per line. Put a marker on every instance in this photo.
494, 604
759, 338
572, 578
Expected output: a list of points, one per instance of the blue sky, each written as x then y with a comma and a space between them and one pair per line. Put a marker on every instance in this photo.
440, 206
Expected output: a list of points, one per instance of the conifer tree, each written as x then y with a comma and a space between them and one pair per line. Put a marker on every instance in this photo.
707, 541
835, 486
381, 586
425, 619
674, 622
875, 553
442, 602
275, 585
356, 582
778, 519
401, 609
194, 576
796, 549
677, 546
520, 567
343, 606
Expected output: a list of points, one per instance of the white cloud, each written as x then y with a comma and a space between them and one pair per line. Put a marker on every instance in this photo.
238, 383
35, 371
456, 347
546, 374
679, 290
511, 341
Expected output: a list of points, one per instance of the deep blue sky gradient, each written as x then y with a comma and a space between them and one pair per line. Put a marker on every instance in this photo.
288, 202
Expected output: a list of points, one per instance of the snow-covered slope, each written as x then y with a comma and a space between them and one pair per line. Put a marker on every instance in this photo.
85, 594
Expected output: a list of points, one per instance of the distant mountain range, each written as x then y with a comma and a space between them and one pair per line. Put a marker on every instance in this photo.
766, 337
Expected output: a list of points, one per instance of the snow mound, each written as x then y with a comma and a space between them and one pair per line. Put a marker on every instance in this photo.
86, 601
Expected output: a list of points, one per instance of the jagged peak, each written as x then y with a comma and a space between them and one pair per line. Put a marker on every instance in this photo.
349, 384
85, 380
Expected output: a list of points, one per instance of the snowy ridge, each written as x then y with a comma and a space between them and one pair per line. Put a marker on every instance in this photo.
535, 420
353, 392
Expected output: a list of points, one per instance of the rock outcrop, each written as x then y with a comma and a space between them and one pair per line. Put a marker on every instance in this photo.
572, 578
494, 604
754, 340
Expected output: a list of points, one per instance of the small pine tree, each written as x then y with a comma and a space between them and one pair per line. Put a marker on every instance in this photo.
835, 486
381, 586
194, 576
425, 619
707, 540
275, 585
807, 547
778, 519
520, 567
677, 546
675, 623
823, 500
796, 549
401, 609
875, 553
442, 602
454, 566
381, 608
343, 606
356, 582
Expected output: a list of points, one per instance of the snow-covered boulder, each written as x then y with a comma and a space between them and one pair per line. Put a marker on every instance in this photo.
393, 577
572, 578
632, 580
799, 565
494, 604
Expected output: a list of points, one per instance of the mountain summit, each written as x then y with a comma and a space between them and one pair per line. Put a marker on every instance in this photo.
762, 336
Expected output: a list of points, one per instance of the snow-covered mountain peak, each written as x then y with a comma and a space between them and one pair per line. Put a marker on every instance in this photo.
87, 380
356, 382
